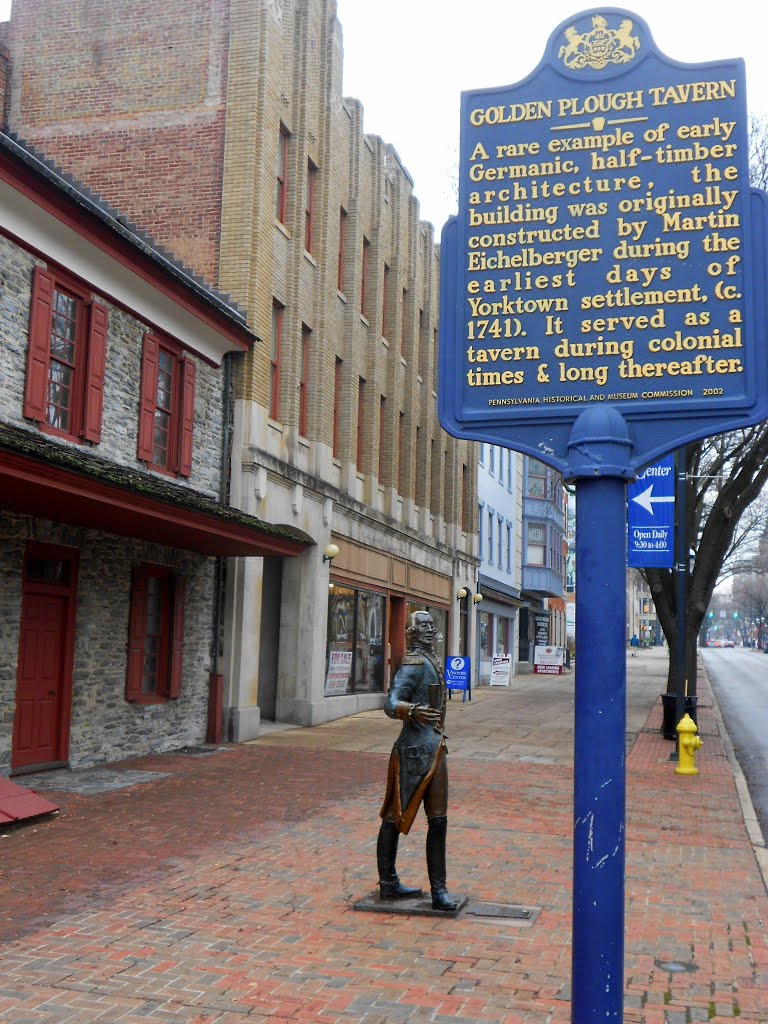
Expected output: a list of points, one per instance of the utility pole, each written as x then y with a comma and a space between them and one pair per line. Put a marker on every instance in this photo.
681, 580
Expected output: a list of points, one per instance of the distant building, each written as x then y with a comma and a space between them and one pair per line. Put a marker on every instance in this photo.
543, 616
500, 550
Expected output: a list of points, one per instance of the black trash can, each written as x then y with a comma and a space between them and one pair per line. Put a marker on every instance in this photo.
669, 707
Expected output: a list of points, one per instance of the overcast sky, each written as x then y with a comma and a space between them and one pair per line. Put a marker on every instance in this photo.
409, 60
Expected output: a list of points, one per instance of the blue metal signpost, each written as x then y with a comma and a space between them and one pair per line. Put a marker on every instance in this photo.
651, 516
598, 310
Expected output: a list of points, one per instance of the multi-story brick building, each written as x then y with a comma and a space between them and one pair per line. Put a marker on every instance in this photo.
225, 134
113, 449
500, 548
543, 619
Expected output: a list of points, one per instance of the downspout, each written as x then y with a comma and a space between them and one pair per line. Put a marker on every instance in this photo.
216, 678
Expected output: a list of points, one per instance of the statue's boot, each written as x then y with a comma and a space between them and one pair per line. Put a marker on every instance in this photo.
436, 841
390, 886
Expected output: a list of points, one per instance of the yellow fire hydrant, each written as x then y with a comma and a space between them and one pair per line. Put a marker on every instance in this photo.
687, 745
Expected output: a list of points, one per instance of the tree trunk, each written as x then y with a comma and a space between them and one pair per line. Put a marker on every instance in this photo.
662, 584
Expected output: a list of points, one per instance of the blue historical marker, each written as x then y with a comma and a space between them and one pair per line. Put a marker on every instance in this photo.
603, 303
651, 516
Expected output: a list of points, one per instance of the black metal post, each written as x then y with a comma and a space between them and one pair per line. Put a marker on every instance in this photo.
681, 590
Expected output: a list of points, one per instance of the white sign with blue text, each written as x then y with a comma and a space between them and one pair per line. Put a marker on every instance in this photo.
651, 517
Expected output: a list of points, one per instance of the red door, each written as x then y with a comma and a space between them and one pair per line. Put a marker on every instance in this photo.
43, 677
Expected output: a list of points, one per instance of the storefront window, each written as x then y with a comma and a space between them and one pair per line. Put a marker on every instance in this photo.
502, 635
369, 649
440, 619
355, 641
341, 618
484, 639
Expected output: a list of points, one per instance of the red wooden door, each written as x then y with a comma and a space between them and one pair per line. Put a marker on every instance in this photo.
40, 680
46, 650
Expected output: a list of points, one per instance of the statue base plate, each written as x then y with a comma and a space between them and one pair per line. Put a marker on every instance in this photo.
418, 906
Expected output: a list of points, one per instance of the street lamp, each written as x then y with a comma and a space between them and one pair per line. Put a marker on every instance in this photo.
330, 552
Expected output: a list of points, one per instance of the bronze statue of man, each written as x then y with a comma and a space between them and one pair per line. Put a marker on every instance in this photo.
417, 771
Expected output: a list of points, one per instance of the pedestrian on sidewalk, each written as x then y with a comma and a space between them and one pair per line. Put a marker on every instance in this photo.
417, 770
634, 643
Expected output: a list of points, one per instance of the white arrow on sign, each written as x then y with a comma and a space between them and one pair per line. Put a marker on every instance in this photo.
647, 501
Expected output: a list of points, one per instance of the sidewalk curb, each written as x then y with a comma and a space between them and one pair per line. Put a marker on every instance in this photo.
751, 823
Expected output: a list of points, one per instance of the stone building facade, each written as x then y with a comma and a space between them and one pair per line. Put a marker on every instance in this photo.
226, 135
113, 527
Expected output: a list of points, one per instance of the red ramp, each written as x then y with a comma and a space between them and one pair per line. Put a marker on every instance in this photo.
20, 804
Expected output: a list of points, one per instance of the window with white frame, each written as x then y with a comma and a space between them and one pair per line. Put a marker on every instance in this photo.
536, 544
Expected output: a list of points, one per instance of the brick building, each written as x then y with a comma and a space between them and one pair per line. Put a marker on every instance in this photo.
113, 526
226, 136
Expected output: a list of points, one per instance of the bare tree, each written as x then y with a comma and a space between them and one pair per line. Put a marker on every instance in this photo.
750, 596
726, 477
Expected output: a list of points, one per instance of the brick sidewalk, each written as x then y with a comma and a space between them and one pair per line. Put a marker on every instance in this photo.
222, 892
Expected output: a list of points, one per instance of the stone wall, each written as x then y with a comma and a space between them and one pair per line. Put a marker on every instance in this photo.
104, 726
123, 372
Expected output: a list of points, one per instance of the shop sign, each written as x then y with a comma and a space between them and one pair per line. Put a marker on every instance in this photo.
501, 667
339, 669
548, 660
541, 627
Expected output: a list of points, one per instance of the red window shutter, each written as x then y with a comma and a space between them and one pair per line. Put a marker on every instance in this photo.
148, 397
94, 388
137, 625
39, 349
177, 638
189, 370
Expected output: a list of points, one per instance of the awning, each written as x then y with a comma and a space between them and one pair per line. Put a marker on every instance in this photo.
41, 478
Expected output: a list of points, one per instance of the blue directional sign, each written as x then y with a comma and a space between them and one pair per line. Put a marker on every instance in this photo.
651, 517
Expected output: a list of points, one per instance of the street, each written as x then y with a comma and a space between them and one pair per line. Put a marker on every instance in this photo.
739, 677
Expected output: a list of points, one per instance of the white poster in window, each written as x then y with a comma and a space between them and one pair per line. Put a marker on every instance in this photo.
501, 666
339, 668
548, 660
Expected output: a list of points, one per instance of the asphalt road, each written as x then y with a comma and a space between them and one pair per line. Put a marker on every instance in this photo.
739, 678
